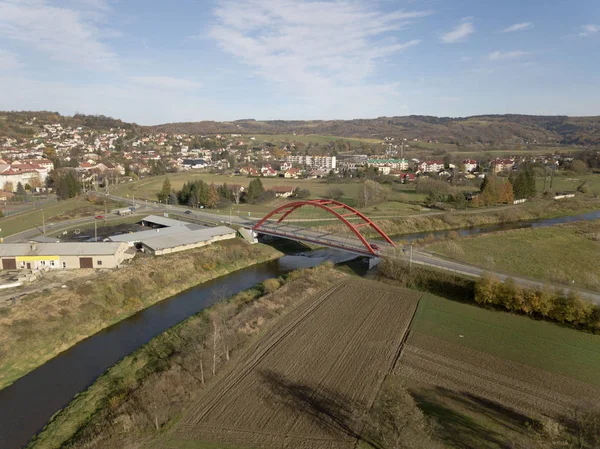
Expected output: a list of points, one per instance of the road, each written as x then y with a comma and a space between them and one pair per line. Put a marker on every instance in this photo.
307, 235
425, 258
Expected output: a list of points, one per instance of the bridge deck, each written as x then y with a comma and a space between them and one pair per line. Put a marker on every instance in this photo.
321, 238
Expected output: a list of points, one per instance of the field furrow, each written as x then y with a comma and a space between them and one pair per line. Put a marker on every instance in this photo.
305, 383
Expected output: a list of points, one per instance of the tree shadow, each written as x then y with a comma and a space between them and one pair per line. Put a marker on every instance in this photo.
460, 430
330, 410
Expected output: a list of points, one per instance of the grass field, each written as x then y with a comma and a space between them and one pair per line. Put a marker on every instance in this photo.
570, 183
538, 344
63, 210
563, 254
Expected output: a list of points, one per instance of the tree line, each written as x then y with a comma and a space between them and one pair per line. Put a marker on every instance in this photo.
545, 303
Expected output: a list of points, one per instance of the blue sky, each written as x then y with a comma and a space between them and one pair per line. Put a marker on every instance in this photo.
153, 61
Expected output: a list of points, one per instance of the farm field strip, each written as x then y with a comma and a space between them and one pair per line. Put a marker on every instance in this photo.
530, 390
328, 357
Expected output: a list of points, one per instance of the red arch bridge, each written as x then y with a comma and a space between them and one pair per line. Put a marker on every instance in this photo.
275, 224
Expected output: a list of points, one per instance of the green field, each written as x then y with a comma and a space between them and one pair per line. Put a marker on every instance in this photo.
535, 343
570, 183
146, 189
563, 254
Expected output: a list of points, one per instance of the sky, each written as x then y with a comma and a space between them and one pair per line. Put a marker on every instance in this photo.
156, 61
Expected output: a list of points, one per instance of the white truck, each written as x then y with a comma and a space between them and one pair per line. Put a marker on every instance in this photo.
124, 211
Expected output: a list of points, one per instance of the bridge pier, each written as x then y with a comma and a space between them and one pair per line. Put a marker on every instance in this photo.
373, 262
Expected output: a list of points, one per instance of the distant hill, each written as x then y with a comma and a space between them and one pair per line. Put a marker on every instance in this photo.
482, 129
26, 123
485, 129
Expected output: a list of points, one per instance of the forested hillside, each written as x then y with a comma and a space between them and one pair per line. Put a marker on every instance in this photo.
483, 129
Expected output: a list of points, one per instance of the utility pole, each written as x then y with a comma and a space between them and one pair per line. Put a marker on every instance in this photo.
410, 263
43, 222
95, 230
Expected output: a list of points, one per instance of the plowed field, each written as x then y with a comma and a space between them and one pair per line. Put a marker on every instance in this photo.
304, 383
432, 361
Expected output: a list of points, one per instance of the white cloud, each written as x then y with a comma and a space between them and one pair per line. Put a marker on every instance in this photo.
9, 61
505, 55
64, 34
321, 52
165, 82
518, 27
460, 33
466, 58
589, 30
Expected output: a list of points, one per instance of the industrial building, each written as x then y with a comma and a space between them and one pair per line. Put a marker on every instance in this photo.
170, 236
134, 238
63, 256
182, 241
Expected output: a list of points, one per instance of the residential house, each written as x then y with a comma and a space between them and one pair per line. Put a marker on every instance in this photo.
283, 191
470, 165
431, 166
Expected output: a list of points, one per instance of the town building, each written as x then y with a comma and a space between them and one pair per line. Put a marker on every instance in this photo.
327, 162
393, 164
470, 165
63, 256
166, 244
431, 166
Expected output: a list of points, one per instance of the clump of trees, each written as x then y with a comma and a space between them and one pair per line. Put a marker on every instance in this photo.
370, 193
65, 183
553, 305
523, 182
494, 191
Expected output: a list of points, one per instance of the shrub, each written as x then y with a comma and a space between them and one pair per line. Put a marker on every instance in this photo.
271, 285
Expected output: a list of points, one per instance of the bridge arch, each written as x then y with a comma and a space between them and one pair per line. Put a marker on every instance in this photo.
332, 207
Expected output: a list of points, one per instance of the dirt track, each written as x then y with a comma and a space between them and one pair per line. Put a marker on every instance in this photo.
432, 361
303, 384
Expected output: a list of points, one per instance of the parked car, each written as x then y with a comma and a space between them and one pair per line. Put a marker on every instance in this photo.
99, 217
188, 212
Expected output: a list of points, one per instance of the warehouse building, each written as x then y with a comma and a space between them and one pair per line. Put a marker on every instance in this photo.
172, 243
134, 238
63, 256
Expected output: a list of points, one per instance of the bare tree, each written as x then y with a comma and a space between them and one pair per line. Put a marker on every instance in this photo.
215, 340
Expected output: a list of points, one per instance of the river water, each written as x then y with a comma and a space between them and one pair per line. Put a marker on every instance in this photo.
28, 404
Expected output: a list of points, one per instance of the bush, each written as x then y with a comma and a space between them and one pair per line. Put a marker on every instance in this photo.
334, 193
271, 285
301, 193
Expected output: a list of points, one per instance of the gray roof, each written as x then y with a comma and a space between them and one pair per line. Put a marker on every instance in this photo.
59, 249
150, 233
163, 221
186, 238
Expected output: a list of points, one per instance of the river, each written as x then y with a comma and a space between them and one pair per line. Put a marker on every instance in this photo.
28, 404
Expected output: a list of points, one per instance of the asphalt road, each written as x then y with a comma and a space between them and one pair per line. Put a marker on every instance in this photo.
418, 257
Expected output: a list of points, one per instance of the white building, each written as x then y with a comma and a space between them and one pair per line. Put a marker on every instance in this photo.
431, 166
328, 162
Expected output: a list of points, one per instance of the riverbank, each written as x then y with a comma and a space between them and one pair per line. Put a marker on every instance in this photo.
46, 323
145, 393
538, 209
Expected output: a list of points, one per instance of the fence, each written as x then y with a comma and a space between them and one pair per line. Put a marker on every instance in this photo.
12, 208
